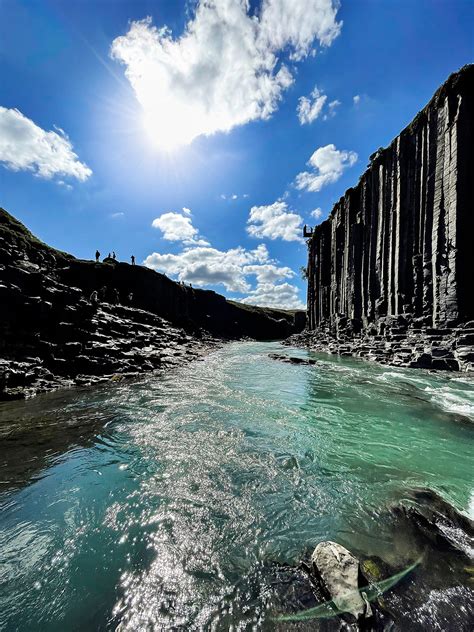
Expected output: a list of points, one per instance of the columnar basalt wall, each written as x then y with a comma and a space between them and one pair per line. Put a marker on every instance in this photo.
400, 244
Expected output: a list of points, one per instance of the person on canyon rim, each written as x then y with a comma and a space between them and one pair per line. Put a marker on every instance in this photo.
133, 260
97, 256
113, 255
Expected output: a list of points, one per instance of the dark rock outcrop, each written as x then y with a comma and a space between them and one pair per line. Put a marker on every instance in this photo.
390, 271
65, 320
291, 359
436, 523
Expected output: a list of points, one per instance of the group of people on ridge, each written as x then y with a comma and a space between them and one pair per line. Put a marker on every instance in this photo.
111, 256
109, 295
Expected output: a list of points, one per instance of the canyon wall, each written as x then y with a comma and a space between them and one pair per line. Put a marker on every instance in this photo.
53, 332
400, 243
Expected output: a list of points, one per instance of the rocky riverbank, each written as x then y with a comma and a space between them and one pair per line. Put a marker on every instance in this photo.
395, 341
66, 321
110, 343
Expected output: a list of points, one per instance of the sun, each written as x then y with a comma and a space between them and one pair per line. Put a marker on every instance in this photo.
170, 129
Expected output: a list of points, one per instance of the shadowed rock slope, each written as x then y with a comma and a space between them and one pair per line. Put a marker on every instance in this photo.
390, 272
53, 334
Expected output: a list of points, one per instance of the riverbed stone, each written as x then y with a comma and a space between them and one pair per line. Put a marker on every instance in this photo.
338, 570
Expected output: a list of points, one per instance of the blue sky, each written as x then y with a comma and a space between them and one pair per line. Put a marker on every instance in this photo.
204, 148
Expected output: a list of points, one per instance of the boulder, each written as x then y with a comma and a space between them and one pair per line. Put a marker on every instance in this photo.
436, 523
338, 572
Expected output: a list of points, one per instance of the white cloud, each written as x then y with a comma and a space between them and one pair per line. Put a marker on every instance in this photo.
328, 164
177, 227
232, 196
317, 213
269, 272
356, 99
274, 221
186, 211
226, 69
66, 185
234, 269
309, 108
284, 295
116, 215
331, 109
24, 146
209, 266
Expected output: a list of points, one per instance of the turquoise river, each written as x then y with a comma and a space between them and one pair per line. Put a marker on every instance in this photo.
165, 503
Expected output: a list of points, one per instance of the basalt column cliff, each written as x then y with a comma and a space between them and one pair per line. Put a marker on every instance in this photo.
390, 272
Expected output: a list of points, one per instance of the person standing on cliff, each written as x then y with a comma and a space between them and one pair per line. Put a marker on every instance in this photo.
113, 255
97, 256
133, 260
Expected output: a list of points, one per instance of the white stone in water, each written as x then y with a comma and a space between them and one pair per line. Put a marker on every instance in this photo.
339, 571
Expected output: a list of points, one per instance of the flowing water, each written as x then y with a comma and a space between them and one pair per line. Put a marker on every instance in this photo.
163, 503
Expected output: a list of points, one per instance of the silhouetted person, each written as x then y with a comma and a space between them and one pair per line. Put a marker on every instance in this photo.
114, 296
133, 260
94, 299
103, 293
113, 255
97, 256
108, 256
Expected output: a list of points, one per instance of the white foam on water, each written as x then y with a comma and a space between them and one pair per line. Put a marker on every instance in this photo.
470, 508
460, 539
460, 402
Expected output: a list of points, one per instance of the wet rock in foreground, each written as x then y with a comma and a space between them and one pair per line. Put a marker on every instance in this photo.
338, 571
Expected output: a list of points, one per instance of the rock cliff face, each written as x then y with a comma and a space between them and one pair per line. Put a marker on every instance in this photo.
53, 332
396, 257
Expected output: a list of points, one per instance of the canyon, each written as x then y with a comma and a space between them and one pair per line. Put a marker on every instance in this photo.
66, 321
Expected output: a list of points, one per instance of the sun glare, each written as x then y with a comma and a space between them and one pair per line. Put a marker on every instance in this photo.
170, 130
161, 137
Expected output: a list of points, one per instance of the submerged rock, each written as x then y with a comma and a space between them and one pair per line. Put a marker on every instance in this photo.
437, 523
292, 359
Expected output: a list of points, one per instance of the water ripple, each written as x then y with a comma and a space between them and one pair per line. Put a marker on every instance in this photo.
166, 504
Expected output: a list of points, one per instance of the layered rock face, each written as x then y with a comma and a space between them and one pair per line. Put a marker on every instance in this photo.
390, 272
53, 332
